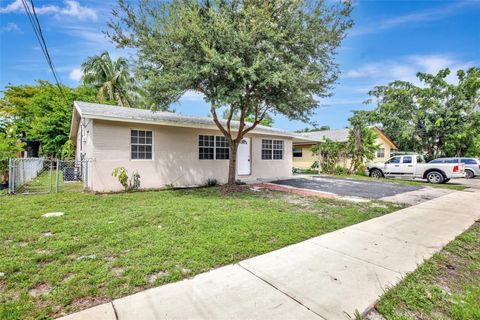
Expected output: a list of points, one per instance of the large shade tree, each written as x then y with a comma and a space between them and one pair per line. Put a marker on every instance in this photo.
111, 78
251, 57
436, 118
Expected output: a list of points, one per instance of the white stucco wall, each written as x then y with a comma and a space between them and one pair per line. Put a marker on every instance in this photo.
175, 157
84, 147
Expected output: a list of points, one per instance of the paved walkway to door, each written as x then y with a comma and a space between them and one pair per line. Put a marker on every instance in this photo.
325, 277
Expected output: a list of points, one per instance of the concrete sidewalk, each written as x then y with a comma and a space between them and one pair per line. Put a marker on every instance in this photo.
326, 277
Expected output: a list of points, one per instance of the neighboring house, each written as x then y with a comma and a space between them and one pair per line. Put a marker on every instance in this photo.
171, 149
303, 157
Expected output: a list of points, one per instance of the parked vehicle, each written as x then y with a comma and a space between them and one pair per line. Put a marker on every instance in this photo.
413, 166
472, 165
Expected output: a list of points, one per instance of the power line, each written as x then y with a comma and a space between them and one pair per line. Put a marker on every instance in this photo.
32, 16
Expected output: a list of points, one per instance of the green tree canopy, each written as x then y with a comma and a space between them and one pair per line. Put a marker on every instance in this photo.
314, 128
361, 145
112, 80
436, 118
40, 112
266, 121
251, 56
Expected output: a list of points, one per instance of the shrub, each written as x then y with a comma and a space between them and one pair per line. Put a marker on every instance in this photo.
340, 170
135, 181
211, 183
122, 174
297, 170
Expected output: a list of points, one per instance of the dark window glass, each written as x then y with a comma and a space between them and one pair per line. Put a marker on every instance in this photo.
277, 149
381, 153
407, 159
206, 147
141, 144
297, 152
222, 148
468, 161
272, 149
451, 161
267, 150
394, 160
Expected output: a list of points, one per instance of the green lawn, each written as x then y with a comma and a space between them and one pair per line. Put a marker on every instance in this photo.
108, 246
418, 183
45, 183
445, 287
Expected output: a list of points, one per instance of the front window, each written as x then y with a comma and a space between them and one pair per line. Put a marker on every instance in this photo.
381, 153
141, 143
272, 149
222, 148
393, 160
297, 152
213, 147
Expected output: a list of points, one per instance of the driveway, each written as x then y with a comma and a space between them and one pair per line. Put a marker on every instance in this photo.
348, 187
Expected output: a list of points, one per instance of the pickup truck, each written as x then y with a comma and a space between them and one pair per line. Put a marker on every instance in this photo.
413, 166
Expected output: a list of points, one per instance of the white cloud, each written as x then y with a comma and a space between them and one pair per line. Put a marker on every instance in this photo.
71, 9
11, 27
76, 74
405, 68
91, 35
74, 9
15, 6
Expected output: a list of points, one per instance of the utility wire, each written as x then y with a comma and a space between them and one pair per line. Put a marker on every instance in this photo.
32, 16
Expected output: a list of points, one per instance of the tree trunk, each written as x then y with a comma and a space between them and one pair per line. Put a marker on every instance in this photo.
232, 163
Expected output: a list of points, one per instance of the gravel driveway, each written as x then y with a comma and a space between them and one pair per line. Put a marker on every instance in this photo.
348, 187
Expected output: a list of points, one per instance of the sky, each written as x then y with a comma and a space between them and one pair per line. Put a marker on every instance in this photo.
390, 40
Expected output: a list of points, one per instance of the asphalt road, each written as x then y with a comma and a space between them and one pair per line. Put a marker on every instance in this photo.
348, 187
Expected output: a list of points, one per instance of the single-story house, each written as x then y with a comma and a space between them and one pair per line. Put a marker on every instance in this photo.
303, 157
170, 149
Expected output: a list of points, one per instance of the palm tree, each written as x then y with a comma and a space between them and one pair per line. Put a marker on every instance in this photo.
111, 78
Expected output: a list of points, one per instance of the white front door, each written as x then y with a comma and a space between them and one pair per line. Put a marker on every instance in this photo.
243, 157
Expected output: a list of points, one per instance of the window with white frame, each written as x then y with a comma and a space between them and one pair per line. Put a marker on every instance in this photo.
381, 153
213, 147
141, 144
222, 148
272, 149
206, 145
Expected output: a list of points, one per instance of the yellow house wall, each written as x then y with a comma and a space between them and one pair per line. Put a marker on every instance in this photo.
307, 159
386, 146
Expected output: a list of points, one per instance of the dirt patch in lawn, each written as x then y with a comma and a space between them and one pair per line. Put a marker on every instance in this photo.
40, 290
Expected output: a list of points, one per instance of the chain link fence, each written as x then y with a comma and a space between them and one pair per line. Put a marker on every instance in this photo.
40, 175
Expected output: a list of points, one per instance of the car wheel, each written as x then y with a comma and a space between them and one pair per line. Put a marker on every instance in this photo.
435, 177
375, 173
446, 180
469, 174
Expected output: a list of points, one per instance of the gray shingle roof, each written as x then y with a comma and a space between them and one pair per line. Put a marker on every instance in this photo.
109, 112
339, 135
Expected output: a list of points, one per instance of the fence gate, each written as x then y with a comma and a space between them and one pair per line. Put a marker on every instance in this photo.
72, 175
40, 175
